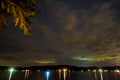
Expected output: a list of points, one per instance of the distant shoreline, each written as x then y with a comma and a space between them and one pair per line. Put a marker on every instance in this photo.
57, 67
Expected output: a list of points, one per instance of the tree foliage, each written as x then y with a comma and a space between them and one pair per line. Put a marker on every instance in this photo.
20, 10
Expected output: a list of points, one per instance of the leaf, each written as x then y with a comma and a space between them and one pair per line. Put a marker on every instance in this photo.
34, 2
17, 20
2, 5
8, 9
2, 20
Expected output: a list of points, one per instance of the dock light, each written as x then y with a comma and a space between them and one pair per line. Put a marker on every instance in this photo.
11, 71
101, 74
118, 71
47, 73
88, 70
94, 70
64, 70
105, 70
59, 71
27, 73
100, 70
64, 73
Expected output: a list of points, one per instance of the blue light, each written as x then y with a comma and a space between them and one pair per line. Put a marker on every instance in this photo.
47, 73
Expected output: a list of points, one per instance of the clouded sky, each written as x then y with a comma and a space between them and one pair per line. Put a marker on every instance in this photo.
73, 32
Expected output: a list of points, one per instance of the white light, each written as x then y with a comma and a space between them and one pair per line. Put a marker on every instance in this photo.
100, 70
117, 70
94, 70
27, 73
11, 71
64, 73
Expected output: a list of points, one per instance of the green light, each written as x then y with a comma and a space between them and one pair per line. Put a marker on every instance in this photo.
11, 69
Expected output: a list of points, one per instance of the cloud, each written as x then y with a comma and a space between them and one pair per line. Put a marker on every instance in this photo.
93, 32
66, 18
98, 57
62, 15
16, 62
44, 31
13, 44
45, 61
4, 62
91, 28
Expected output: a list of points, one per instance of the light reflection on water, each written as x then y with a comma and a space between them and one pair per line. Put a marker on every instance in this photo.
64, 74
26, 74
60, 75
96, 76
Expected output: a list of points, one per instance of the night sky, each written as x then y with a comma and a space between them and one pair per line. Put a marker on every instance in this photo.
70, 32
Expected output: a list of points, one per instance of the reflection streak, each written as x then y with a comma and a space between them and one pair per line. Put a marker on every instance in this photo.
26, 74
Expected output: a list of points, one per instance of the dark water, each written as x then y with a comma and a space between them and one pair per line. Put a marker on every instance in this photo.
56, 75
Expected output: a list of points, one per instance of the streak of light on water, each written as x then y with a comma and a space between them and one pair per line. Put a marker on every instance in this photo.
95, 76
11, 72
69, 74
59, 74
118, 71
101, 74
64, 74
47, 73
26, 74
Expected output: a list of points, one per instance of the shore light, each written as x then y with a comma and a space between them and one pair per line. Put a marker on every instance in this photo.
11, 70
47, 74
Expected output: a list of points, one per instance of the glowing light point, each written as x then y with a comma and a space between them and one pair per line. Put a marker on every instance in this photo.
94, 70
59, 70
100, 70
118, 71
11, 69
47, 73
64, 70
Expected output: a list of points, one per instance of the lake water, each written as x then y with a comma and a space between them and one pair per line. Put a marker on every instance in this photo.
58, 75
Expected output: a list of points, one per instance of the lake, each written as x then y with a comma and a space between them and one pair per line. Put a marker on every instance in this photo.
58, 75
